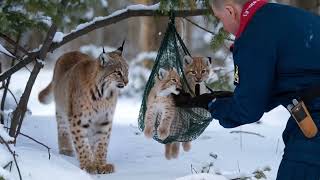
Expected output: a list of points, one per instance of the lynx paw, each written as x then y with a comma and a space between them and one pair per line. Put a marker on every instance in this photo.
167, 152
186, 146
175, 150
89, 167
148, 132
163, 133
66, 152
105, 169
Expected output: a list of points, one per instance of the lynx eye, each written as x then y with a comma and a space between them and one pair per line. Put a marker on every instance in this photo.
203, 71
118, 73
193, 72
173, 80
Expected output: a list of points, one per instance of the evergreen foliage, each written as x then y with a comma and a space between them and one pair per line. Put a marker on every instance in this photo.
19, 16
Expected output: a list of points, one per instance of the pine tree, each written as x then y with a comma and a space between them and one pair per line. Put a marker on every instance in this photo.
19, 16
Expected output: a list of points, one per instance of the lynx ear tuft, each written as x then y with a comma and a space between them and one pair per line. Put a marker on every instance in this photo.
162, 73
120, 49
187, 59
207, 61
103, 58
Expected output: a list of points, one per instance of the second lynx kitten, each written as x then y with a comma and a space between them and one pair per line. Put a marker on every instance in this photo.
160, 103
197, 70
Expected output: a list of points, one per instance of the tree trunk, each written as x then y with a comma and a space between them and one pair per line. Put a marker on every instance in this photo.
310, 5
151, 30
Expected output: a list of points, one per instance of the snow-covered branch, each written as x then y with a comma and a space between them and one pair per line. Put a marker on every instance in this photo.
130, 11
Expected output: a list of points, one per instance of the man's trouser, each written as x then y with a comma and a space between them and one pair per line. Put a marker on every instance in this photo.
291, 170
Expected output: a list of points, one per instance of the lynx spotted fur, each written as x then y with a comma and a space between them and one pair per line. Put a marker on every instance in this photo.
160, 103
197, 70
85, 91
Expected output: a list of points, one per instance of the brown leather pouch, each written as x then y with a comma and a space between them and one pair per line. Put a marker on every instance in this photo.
302, 116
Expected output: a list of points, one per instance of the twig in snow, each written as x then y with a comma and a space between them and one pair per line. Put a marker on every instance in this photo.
193, 170
247, 132
13, 155
7, 165
31, 138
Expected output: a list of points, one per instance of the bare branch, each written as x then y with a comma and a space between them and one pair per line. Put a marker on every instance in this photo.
112, 19
13, 155
197, 25
33, 139
13, 43
28, 59
48, 148
204, 29
19, 112
29, 137
127, 13
15, 99
247, 132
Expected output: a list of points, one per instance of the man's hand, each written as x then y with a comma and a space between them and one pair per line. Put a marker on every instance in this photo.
187, 101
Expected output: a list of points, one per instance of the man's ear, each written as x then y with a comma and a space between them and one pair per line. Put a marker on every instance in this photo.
233, 11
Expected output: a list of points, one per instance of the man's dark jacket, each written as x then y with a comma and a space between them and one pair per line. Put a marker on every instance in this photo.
276, 58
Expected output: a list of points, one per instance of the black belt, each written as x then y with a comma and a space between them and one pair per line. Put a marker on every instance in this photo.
307, 95
310, 94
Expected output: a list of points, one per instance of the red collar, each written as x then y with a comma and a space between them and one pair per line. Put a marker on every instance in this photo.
248, 11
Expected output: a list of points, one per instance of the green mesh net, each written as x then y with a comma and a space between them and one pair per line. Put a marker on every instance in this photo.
189, 122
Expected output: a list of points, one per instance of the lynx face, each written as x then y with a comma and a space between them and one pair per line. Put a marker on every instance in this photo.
114, 69
197, 69
169, 82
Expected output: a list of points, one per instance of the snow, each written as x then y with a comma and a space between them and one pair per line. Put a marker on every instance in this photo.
203, 176
94, 50
5, 174
5, 51
58, 37
35, 165
5, 157
101, 18
41, 61
104, 3
138, 73
4, 134
138, 158
89, 14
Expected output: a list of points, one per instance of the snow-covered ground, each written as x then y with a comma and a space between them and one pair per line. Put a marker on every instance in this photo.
138, 158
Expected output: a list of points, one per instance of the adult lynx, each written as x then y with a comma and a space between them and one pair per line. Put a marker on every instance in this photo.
85, 91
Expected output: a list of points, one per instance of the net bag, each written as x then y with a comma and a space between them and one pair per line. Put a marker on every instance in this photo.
189, 122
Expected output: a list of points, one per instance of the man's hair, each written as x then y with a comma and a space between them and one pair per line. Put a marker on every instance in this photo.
219, 3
